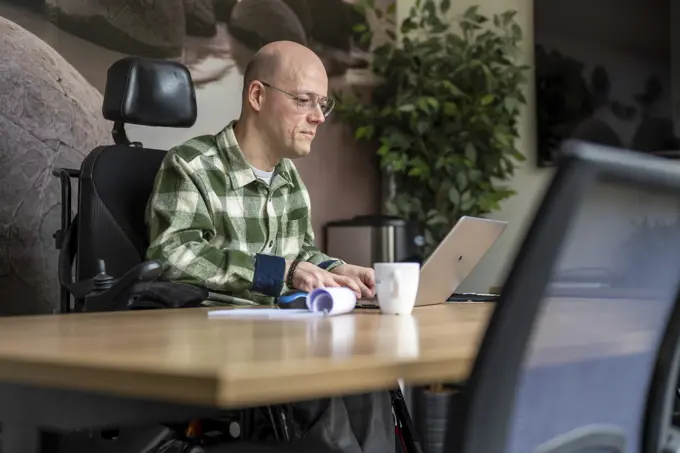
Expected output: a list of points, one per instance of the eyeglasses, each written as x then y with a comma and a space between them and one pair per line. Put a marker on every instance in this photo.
308, 101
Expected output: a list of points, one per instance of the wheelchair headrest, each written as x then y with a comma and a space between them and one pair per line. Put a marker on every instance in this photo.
149, 92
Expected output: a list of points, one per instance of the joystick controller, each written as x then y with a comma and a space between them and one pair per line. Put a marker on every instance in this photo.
102, 281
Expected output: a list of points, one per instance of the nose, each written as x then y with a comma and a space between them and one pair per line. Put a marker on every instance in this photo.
316, 116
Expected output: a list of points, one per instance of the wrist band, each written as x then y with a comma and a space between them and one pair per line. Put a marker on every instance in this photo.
291, 272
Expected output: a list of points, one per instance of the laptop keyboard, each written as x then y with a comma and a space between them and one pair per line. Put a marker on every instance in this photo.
455, 297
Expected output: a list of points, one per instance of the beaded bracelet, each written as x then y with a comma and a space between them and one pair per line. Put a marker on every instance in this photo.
291, 272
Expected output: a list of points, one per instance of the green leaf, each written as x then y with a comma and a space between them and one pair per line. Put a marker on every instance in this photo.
359, 7
489, 78
386, 111
474, 175
384, 149
454, 195
444, 6
430, 8
407, 25
359, 28
516, 32
488, 99
471, 152
504, 139
364, 132
429, 239
508, 16
461, 180
467, 201
481, 19
518, 155
419, 168
452, 89
398, 139
471, 12
510, 104
439, 27
436, 219
450, 109
407, 108
391, 8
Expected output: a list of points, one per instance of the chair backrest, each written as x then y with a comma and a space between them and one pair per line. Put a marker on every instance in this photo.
116, 181
569, 355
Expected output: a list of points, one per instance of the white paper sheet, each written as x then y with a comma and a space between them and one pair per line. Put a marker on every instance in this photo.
263, 313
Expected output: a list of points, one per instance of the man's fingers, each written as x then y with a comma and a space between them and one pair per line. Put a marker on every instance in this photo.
365, 290
314, 281
331, 283
349, 283
369, 278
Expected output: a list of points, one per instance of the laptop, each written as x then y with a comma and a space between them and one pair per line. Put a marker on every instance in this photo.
453, 260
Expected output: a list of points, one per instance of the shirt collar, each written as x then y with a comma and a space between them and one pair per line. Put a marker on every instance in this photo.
240, 172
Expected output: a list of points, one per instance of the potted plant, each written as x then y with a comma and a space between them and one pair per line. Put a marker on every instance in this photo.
443, 113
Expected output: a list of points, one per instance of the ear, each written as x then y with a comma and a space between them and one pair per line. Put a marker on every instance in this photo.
256, 95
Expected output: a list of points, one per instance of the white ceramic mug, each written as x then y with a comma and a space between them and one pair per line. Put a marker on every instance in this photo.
397, 286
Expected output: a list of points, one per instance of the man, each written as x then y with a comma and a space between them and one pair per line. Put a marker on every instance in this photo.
230, 212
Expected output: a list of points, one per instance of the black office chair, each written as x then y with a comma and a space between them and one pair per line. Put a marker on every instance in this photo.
580, 366
107, 238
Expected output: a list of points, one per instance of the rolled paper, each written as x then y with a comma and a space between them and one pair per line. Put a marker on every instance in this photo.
332, 301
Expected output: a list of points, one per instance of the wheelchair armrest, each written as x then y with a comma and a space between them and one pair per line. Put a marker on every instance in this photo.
105, 292
64, 175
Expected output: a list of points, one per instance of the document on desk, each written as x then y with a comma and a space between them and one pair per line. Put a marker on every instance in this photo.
320, 302
264, 313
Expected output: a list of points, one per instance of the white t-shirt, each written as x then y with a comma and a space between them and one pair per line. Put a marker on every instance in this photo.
265, 176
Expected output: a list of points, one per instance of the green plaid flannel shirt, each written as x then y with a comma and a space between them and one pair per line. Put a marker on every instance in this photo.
212, 223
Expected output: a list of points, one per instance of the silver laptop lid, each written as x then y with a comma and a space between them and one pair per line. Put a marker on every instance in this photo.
455, 257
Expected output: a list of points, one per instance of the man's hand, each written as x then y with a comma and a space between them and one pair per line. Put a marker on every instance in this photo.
308, 277
364, 277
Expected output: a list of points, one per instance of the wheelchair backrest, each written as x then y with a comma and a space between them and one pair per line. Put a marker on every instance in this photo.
116, 181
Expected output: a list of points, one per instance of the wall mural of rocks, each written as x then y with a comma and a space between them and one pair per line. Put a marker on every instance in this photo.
55, 54
49, 116
170, 28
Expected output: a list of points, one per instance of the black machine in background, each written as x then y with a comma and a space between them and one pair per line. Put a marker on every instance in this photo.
364, 240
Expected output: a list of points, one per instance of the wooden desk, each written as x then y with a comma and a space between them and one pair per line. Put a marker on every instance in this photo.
181, 356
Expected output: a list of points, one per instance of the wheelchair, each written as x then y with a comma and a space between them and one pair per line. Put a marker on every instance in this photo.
103, 245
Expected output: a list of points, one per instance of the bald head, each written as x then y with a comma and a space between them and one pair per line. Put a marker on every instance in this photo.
285, 91
280, 60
